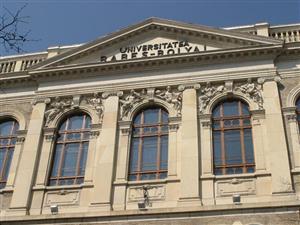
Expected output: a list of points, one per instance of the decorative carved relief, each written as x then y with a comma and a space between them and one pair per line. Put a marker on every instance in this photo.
253, 91
172, 97
96, 103
156, 192
207, 93
129, 101
236, 186
55, 107
62, 198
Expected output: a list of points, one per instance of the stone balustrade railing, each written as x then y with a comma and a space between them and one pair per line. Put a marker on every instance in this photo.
287, 33
20, 63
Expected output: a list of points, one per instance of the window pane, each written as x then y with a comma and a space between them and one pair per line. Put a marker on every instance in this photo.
216, 111
2, 155
217, 148
230, 108
75, 122
137, 119
83, 158
165, 116
8, 162
150, 116
56, 160
70, 160
149, 155
134, 155
6, 128
87, 122
248, 146
164, 153
245, 109
298, 104
233, 147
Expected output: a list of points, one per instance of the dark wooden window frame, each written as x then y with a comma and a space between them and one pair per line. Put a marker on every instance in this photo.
9, 146
159, 134
84, 138
298, 112
221, 119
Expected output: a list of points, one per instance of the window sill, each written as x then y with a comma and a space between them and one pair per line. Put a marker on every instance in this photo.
243, 175
62, 187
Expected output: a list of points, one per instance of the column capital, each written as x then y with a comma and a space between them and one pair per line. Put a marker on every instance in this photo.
37, 100
183, 87
112, 93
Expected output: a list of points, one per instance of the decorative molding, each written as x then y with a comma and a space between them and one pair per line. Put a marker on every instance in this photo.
130, 100
291, 117
96, 103
188, 86
56, 107
94, 134
112, 93
207, 93
20, 140
37, 100
125, 131
172, 97
49, 137
236, 186
173, 127
156, 192
62, 197
253, 91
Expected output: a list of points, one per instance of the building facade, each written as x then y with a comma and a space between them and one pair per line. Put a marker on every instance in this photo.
161, 122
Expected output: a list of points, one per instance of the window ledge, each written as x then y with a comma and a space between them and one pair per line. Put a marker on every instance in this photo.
243, 175
6, 189
65, 187
141, 182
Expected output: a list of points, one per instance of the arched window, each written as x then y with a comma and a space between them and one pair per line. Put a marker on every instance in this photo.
8, 129
298, 110
149, 145
232, 138
71, 150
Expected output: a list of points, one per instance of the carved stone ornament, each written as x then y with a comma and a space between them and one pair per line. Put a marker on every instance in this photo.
207, 93
253, 91
172, 97
55, 107
96, 103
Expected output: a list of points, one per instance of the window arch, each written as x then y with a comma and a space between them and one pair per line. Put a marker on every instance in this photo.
232, 138
8, 137
70, 153
149, 145
298, 110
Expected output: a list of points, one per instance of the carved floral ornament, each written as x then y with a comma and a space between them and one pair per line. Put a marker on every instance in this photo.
133, 98
250, 89
60, 105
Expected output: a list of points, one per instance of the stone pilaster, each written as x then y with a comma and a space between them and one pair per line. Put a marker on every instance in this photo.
120, 183
207, 177
28, 163
104, 158
276, 140
189, 184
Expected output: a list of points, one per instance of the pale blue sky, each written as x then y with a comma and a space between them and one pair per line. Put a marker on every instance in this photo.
63, 22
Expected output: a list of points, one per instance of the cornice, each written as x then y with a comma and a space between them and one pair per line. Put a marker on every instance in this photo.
269, 73
203, 58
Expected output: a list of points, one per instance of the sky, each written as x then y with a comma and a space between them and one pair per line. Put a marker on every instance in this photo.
66, 22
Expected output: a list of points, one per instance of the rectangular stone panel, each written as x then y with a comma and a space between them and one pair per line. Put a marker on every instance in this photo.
235, 186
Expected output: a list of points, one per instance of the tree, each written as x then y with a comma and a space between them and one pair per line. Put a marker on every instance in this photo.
13, 36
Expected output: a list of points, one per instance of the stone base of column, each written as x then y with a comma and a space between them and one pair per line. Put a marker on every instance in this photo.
20, 211
100, 206
189, 201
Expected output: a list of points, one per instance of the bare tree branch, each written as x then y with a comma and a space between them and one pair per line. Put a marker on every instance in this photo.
12, 36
